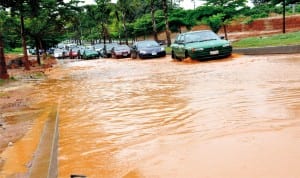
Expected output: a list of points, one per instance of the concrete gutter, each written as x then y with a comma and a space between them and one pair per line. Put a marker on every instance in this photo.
268, 50
45, 163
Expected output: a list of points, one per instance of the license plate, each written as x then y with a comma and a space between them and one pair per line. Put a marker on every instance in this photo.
214, 52
154, 53
125, 54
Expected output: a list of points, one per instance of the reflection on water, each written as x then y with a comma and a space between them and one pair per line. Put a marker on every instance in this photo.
157, 118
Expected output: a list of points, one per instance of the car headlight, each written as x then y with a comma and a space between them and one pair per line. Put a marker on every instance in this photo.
226, 45
197, 49
162, 48
143, 52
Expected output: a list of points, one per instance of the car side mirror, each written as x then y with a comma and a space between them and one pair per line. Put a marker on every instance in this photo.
222, 37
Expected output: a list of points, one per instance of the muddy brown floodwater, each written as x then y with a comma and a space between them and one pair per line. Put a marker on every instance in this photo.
235, 117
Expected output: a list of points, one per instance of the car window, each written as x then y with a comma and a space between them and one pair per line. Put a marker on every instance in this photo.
147, 44
178, 38
200, 36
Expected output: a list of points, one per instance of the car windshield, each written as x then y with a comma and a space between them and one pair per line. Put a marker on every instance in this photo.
98, 46
88, 51
200, 36
111, 45
122, 47
147, 44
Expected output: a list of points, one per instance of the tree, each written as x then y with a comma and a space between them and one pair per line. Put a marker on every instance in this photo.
276, 2
165, 9
3, 69
125, 7
102, 16
152, 8
20, 7
228, 9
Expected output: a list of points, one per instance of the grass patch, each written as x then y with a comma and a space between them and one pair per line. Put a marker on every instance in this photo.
168, 50
2, 82
11, 79
3, 94
292, 38
14, 51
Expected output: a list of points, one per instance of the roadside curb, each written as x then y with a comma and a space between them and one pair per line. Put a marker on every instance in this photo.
268, 50
45, 163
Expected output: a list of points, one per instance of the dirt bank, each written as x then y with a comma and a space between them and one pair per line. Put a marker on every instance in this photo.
15, 98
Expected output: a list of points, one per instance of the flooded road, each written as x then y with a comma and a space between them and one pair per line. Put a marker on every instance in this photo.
236, 117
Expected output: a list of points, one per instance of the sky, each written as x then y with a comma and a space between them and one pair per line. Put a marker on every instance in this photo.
186, 4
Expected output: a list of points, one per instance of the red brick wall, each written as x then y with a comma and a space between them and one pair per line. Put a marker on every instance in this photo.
274, 23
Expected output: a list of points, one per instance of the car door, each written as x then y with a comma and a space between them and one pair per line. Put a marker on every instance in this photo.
175, 45
181, 47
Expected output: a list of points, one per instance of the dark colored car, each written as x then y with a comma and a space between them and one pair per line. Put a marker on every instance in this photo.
204, 44
90, 54
147, 49
120, 51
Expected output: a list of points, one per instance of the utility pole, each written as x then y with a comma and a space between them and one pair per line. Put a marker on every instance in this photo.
283, 23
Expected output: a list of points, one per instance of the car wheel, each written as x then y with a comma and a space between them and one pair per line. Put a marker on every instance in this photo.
139, 56
186, 55
173, 55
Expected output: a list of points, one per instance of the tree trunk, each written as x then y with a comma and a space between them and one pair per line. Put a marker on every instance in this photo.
153, 20
3, 69
124, 27
25, 57
225, 32
38, 58
168, 34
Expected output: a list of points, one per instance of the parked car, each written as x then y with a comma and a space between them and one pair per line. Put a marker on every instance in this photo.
120, 51
106, 51
98, 47
60, 53
90, 54
73, 53
204, 44
147, 49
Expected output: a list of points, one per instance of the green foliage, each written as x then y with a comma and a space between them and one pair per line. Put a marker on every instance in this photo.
215, 22
260, 11
1, 83
274, 40
14, 50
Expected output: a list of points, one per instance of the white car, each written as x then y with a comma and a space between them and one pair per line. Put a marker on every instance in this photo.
60, 53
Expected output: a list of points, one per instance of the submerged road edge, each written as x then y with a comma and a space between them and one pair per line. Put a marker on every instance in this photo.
268, 50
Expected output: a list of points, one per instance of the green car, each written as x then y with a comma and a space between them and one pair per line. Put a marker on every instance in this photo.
204, 44
90, 54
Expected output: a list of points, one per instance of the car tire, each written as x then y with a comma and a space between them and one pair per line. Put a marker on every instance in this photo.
186, 54
139, 56
173, 55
